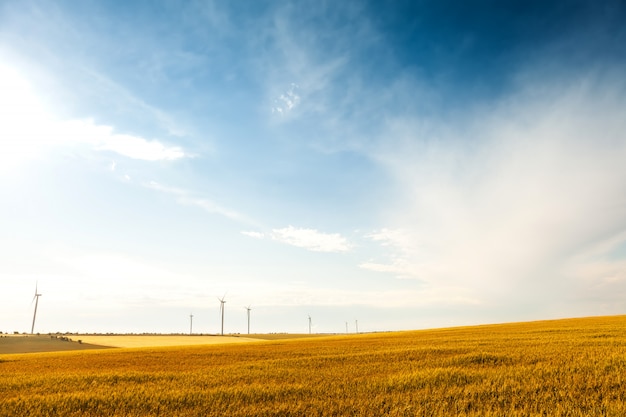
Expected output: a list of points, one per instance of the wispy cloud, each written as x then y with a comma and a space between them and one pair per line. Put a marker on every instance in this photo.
311, 239
287, 100
135, 104
188, 198
302, 67
214, 208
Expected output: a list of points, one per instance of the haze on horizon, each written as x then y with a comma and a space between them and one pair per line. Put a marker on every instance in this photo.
404, 164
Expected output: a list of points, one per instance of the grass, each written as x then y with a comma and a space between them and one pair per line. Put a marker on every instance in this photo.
573, 367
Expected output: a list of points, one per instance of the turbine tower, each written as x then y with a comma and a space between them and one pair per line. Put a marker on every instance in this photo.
356, 325
190, 323
248, 312
36, 300
222, 302
309, 324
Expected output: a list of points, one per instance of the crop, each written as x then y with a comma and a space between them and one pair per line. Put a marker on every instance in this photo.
573, 367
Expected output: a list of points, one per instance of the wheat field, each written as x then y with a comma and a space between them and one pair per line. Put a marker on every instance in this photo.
573, 367
128, 341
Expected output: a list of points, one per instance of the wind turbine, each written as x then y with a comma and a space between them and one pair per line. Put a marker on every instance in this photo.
356, 325
190, 323
248, 312
222, 302
36, 300
309, 324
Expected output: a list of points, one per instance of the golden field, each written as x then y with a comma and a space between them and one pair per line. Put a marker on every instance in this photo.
20, 343
573, 367
127, 341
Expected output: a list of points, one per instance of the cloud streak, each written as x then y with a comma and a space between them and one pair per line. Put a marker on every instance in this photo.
187, 198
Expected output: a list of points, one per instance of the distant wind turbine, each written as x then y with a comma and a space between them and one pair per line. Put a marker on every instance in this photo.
36, 300
248, 312
190, 323
346, 327
222, 302
356, 325
309, 324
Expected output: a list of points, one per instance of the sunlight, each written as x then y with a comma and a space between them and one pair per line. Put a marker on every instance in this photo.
23, 121
28, 129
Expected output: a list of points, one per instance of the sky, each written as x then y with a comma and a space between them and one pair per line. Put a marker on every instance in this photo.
389, 165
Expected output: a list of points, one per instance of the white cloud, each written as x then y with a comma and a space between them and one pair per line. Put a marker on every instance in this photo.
103, 138
286, 101
408, 255
29, 129
311, 239
256, 235
140, 148
506, 211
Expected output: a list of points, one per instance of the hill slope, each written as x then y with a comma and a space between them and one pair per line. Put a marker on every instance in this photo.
571, 367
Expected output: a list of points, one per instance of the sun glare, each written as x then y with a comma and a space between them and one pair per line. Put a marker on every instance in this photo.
24, 121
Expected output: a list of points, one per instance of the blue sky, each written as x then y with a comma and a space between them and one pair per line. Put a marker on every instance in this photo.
403, 164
